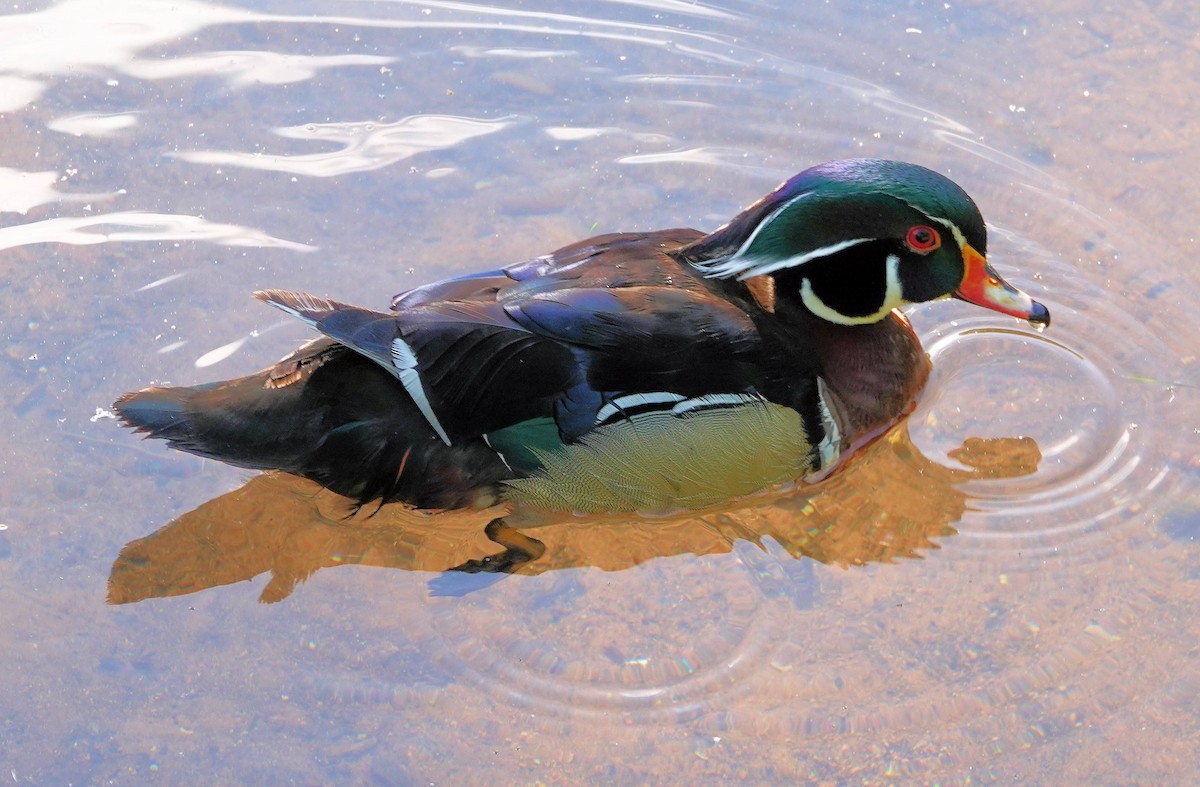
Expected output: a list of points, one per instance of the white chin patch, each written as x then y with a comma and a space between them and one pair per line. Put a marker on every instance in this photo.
893, 297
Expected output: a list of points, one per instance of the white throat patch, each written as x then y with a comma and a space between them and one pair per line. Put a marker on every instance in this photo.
893, 297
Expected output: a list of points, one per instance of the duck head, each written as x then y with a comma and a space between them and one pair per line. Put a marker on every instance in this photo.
852, 240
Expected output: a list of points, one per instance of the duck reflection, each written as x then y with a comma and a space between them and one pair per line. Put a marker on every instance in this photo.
891, 502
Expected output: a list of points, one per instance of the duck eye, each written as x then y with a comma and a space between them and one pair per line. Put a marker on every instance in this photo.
922, 239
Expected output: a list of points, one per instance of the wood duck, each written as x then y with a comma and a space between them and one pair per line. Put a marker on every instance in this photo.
629, 371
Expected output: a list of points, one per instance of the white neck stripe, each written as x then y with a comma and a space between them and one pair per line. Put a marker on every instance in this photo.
748, 267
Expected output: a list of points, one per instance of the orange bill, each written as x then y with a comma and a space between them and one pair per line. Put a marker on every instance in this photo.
982, 286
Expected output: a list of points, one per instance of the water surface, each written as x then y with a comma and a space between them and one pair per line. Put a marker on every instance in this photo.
1003, 588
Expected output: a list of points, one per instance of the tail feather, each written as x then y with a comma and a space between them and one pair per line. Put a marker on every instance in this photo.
157, 411
327, 414
164, 413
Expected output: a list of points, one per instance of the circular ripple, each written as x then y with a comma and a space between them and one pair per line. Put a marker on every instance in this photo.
1090, 391
667, 639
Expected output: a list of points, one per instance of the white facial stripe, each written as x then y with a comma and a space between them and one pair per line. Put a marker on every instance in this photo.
954, 230
893, 297
800, 259
774, 214
405, 361
748, 267
950, 225
744, 267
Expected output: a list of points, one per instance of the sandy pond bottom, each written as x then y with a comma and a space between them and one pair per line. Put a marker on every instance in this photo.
1003, 589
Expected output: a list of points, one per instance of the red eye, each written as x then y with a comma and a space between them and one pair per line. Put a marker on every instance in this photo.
922, 239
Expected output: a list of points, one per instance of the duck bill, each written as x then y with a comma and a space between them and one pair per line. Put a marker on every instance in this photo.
982, 286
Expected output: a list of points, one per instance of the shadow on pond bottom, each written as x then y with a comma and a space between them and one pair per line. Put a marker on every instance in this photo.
891, 503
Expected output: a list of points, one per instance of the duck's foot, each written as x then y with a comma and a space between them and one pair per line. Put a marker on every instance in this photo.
519, 549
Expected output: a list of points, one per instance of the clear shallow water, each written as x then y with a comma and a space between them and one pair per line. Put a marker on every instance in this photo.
164, 160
